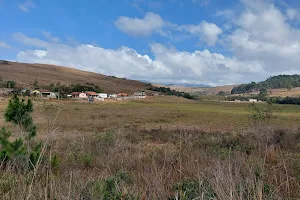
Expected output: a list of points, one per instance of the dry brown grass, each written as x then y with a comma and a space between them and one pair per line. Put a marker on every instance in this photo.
294, 92
208, 91
149, 150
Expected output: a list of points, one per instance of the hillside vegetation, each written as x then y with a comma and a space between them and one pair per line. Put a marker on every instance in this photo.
24, 75
274, 82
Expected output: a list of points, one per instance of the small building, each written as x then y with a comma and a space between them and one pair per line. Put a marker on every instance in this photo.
112, 96
91, 94
252, 100
50, 95
74, 95
102, 95
122, 94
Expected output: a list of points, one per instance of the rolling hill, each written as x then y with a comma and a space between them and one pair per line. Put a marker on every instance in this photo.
24, 74
196, 90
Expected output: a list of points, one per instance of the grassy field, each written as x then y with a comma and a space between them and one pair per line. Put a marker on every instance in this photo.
159, 148
165, 112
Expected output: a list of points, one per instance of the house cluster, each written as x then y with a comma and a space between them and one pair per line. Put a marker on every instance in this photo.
88, 95
91, 96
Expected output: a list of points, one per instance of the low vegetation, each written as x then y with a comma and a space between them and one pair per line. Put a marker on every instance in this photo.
281, 81
7, 83
168, 91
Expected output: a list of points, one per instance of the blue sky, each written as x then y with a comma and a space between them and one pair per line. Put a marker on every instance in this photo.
213, 42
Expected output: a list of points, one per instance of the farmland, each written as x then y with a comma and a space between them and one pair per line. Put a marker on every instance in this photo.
159, 148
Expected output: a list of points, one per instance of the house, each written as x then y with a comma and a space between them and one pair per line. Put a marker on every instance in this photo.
122, 94
50, 95
91, 94
112, 96
74, 94
139, 94
82, 95
252, 100
102, 95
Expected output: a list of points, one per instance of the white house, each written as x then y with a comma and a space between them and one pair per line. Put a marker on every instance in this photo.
50, 95
102, 95
112, 96
252, 100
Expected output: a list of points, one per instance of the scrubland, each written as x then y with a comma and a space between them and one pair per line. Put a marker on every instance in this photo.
159, 148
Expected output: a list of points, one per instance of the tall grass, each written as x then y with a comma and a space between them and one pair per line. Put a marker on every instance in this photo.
163, 164
142, 162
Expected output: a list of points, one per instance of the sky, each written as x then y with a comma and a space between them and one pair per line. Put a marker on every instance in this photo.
214, 42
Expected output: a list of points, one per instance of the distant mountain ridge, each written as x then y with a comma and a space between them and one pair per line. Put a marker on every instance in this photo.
190, 85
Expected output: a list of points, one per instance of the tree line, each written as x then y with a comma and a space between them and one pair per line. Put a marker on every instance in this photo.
281, 81
168, 91
58, 87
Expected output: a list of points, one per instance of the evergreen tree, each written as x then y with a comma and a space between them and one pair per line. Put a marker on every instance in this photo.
22, 150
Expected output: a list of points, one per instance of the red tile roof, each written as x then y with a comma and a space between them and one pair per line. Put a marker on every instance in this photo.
91, 93
75, 93
123, 94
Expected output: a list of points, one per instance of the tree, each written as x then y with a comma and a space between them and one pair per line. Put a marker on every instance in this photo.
289, 87
263, 92
36, 84
18, 112
221, 93
22, 149
10, 84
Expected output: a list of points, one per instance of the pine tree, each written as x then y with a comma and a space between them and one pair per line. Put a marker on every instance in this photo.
23, 148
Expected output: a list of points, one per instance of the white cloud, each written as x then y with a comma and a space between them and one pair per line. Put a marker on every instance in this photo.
4, 45
201, 2
257, 5
291, 13
264, 35
207, 32
49, 37
167, 65
228, 14
261, 43
26, 5
20, 37
140, 27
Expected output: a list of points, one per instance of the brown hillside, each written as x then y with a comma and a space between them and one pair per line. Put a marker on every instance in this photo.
25, 74
216, 90
209, 91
